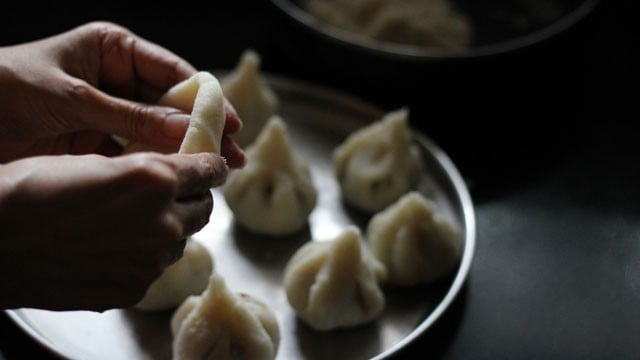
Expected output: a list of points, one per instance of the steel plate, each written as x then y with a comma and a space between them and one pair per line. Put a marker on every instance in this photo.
318, 119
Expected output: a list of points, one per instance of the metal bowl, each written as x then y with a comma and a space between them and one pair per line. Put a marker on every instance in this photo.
497, 26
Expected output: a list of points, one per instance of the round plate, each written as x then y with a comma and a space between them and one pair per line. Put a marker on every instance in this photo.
318, 120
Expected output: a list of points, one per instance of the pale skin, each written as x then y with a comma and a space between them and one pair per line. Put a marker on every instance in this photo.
82, 227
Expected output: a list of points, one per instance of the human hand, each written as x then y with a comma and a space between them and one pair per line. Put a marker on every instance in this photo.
67, 94
91, 232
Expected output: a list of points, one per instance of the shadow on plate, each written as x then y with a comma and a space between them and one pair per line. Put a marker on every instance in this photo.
152, 331
361, 342
434, 342
271, 252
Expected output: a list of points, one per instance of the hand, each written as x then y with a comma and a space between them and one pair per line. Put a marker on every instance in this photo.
92, 232
67, 94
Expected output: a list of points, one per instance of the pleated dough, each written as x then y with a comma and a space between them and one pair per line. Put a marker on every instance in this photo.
223, 325
252, 97
335, 284
274, 193
378, 163
201, 96
414, 240
187, 276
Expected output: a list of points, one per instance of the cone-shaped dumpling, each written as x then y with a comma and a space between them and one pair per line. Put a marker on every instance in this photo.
252, 98
378, 163
274, 193
415, 242
220, 324
335, 284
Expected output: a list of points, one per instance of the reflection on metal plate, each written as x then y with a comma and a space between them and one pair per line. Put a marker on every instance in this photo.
318, 120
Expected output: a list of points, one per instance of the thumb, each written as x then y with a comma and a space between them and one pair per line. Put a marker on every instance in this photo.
148, 124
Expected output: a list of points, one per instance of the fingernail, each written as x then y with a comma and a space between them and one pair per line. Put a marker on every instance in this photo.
222, 170
176, 125
229, 109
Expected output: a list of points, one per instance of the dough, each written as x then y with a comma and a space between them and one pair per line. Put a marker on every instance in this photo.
335, 284
202, 97
274, 193
220, 324
187, 276
252, 98
427, 23
378, 163
416, 242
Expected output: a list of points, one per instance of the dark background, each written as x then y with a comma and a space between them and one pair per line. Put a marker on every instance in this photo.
544, 136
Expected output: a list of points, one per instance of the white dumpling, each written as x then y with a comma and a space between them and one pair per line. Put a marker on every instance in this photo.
220, 324
274, 193
335, 284
252, 98
201, 96
378, 163
414, 240
187, 276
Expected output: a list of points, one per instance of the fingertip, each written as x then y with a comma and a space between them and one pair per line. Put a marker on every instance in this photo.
233, 123
220, 169
233, 153
175, 125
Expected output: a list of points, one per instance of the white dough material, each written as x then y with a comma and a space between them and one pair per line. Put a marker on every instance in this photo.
416, 242
427, 23
252, 97
220, 324
274, 193
187, 276
377, 164
335, 284
201, 96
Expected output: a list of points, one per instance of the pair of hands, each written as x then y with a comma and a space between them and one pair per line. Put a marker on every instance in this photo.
92, 230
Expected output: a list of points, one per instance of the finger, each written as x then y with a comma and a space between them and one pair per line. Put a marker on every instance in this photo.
174, 252
233, 123
193, 213
93, 142
130, 62
198, 173
148, 124
232, 152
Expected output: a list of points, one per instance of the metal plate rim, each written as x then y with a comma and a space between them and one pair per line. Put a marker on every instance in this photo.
443, 159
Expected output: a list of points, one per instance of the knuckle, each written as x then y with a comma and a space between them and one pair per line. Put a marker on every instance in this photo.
208, 207
213, 168
135, 119
149, 172
78, 90
201, 218
171, 228
107, 30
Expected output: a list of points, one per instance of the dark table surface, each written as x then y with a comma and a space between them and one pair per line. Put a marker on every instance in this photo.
544, 137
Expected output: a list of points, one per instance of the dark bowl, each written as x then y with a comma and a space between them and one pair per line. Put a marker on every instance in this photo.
509, 105
497, 26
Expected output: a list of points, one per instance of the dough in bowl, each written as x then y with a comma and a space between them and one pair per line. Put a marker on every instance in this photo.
426, 23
